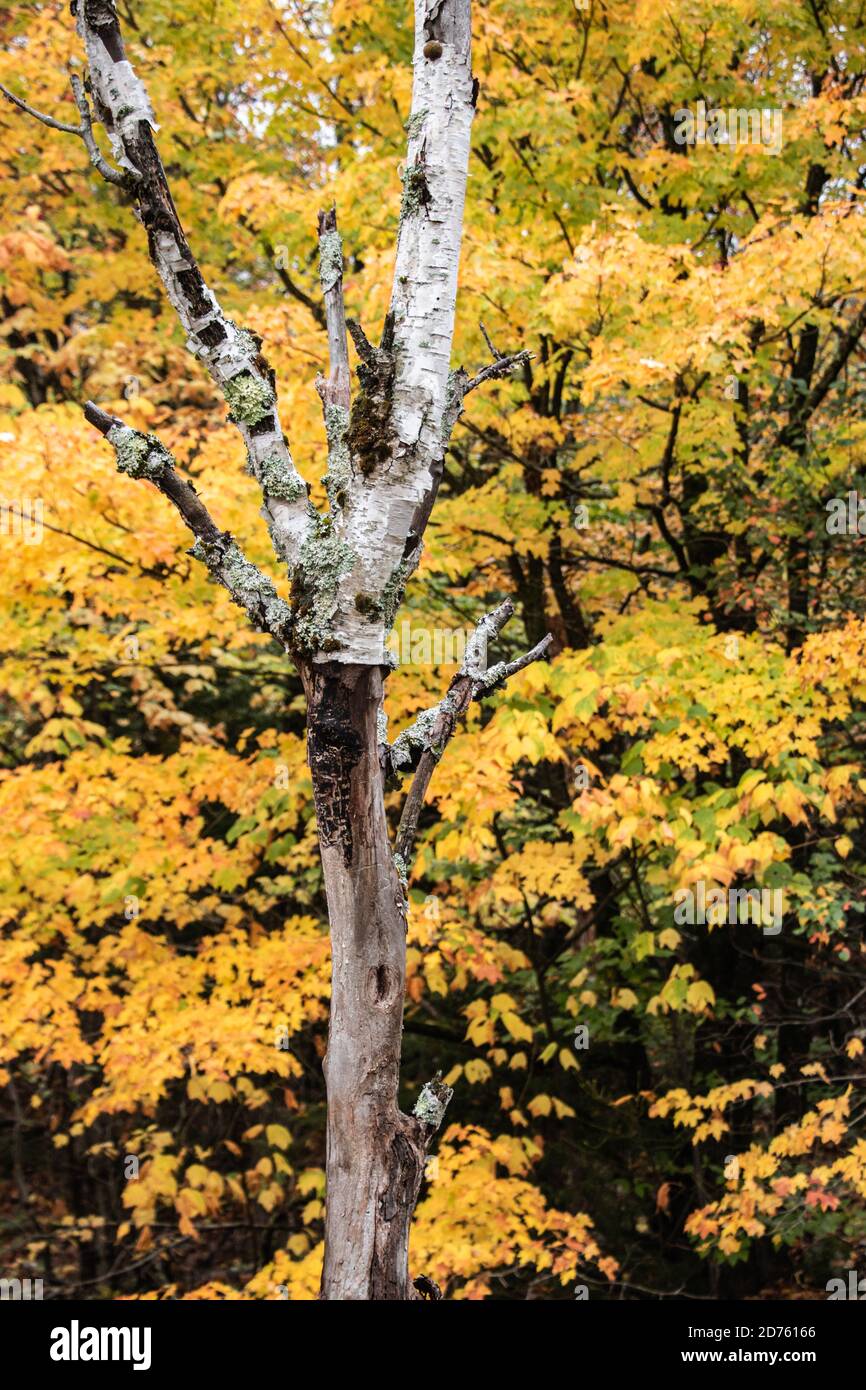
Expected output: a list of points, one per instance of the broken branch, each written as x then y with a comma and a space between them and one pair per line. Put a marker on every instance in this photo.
460, 383
503, 366
336, 390
419, 748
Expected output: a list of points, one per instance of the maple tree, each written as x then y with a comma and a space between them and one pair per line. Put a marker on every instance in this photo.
652, 487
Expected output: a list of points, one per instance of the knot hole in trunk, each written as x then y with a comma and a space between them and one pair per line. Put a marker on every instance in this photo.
380, 986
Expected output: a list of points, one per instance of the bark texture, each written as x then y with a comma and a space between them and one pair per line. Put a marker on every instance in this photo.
375, 1157
397, 434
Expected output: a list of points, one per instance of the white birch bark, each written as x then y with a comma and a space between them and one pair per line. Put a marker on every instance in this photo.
386, 508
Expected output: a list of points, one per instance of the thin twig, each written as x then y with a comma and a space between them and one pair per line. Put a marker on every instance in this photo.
40, 115
83, 131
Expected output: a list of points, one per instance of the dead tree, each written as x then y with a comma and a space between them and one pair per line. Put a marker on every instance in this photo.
348, 570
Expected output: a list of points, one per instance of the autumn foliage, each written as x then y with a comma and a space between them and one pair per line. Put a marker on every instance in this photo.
653, 488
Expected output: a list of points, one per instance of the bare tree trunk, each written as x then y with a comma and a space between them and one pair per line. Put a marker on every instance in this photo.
375, 1154
394, 445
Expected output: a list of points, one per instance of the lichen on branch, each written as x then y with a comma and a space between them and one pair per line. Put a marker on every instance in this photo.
249, 587
325, 559
139, 455
142, 456
250, 399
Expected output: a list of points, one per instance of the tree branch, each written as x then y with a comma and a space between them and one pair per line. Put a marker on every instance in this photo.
143, 456
335, 389
83, 131
231, 355
460, 383
420, 747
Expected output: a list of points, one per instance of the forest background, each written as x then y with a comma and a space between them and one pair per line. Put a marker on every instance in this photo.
646, 1101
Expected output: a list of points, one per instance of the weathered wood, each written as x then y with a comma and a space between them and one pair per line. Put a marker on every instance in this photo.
375, 1156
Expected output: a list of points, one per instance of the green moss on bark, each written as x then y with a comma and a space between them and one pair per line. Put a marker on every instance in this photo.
339, 471
369, 606
393, 592
416, 190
